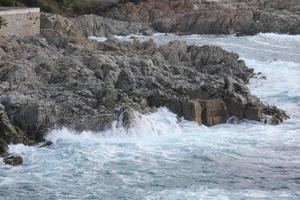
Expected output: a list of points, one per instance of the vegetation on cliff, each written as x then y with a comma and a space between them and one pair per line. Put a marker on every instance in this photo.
7, 2
2, 22
67, 6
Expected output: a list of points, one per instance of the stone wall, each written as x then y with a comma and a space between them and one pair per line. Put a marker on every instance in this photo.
20, 22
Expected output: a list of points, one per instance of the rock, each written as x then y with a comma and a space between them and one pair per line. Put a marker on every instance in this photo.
274, 121
235, 104
60, 30
233, 120
208, 112
253, 113
126, 117
148, 32
7, 129
126, 81
8, 132
213, 17
214, 112
173, 51
32, 119
191, 110
171, 102
93, 25
109, 98
13, 160
53, 37
3, 147
274, 115
46, 144
95, 123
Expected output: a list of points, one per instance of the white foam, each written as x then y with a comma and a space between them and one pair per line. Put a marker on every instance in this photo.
282, 37
98, 39
158, 123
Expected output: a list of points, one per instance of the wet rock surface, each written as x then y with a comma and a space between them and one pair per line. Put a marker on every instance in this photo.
213, 17
13, 160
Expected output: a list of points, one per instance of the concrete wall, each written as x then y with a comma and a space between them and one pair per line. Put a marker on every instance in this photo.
20, 22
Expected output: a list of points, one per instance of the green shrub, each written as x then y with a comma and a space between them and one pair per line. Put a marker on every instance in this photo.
69, 6
91, 6
7, 2
2, 22
30, 2
45, 5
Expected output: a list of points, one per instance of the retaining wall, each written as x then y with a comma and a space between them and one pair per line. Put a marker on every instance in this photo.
21, 22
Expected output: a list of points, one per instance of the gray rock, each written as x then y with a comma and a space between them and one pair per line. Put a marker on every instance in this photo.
10, 133
126, 117
126, 81
13, 160
93, 25
275, 114
233, 120
3, 147
59, 30
46, 144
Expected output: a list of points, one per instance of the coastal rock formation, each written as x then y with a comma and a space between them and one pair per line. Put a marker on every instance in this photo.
85, 85
94, 25
86, 88
59, 30
213, 17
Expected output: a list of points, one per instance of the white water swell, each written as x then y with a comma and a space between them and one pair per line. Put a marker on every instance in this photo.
162, 159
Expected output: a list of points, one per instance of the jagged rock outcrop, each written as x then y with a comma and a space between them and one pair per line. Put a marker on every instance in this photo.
59, 30
94, 25
213, 17
10, 134
86, 86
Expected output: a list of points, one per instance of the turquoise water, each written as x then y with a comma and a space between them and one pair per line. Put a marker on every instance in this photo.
160, 158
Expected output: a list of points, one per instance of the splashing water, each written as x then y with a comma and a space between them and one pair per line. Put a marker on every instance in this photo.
160, 158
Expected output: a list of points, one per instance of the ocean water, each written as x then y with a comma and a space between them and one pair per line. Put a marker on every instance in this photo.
160, 158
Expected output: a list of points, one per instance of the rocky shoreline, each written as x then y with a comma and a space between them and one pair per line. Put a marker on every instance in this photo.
213, 16
62, 79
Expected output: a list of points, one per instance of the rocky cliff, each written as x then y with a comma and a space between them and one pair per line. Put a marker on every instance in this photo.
213, 16
61, 79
